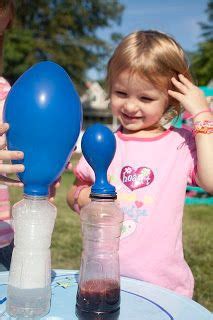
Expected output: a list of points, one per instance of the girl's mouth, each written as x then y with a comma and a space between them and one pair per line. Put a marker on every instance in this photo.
130, 117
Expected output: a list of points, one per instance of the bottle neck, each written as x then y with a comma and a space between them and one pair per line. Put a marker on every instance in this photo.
99, 199
103, 197
28, 197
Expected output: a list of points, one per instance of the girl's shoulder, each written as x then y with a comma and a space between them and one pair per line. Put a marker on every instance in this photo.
184, 139
182, 133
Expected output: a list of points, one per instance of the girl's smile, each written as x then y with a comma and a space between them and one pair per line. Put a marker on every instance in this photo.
129, 117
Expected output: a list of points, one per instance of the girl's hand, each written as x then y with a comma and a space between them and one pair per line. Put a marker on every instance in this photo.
84, 198
189, 95
57, 183
53, 189
9, 155
69, 166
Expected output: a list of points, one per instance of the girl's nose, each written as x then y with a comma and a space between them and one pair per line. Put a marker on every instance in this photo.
130, 106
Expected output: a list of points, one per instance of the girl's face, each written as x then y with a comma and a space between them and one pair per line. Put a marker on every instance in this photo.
137, 103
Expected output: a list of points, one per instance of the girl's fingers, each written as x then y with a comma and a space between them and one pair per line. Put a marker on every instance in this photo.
3, 128
177, 95
3, 146
11, 155
185, 81
14, 184
10, 181
180, 86
69, 166
57, 184
11, 168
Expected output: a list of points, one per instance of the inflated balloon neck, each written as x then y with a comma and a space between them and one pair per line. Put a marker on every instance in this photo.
98, 147
36, 191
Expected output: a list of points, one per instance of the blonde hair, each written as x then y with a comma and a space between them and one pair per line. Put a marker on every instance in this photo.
154, 56
7, 10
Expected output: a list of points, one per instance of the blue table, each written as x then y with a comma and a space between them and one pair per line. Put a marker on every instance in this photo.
139, 300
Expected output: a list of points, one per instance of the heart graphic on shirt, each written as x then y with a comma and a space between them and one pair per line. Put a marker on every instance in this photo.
135, 179
138, 204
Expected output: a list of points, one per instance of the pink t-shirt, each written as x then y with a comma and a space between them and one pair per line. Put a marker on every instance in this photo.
151, 176
6, 231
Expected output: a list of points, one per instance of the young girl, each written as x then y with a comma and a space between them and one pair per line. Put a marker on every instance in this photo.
6, 231
148, 79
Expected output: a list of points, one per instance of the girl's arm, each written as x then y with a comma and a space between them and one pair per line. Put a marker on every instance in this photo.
78, 195
194, 101
204, 145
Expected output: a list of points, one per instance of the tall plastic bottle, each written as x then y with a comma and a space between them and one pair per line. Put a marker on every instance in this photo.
98, 295
29, 290
44, 113
99, 282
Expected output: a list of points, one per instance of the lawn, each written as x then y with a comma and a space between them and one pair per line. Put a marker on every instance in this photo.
66, 241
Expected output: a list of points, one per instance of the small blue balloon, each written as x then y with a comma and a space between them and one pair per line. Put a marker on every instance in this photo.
44, 112
98, 146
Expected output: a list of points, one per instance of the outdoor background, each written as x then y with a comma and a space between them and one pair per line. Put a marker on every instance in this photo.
80, 35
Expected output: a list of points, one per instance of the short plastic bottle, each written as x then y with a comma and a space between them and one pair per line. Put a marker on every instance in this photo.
98, 295
29, 291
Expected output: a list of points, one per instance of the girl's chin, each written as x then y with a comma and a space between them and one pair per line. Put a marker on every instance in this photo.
135, 123
132, 127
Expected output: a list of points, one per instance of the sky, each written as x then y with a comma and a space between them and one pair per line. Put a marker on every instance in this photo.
178, 18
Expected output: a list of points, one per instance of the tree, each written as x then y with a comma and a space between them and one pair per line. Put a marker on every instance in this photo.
64, 31
202, 62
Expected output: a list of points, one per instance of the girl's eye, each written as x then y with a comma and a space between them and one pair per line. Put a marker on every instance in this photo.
146, 99
121, 93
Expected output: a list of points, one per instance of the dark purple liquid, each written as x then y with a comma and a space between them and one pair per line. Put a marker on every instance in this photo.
98, 296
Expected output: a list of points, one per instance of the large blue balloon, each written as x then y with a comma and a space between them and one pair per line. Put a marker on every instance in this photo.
44, 112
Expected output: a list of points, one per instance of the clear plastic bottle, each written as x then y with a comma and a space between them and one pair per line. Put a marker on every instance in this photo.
29, 290
98, 295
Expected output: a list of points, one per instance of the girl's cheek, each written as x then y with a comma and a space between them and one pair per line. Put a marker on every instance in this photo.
114, 111
115, 104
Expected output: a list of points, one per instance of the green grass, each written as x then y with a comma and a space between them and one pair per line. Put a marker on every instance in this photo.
66, 240
198, 251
